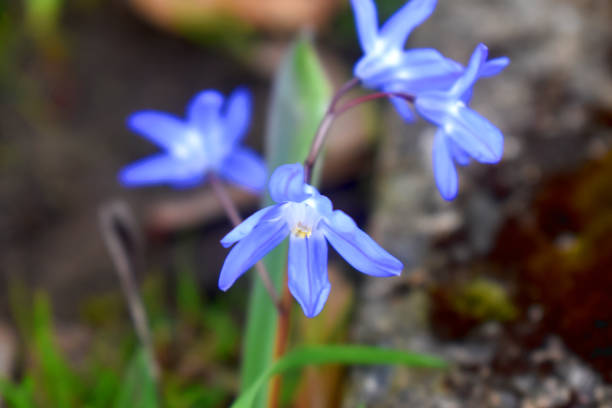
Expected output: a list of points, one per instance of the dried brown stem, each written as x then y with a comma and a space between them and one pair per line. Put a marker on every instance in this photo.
114, 219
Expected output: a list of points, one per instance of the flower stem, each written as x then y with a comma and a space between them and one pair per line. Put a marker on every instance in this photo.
328, 118
371, 97
232, 213
282, 337
333, 111
114, 219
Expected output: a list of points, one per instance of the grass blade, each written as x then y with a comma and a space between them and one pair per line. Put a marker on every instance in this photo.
335, 354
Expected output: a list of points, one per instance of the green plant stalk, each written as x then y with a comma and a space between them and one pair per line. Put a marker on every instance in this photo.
300, 97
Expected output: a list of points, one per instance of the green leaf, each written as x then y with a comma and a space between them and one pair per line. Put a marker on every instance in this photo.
300, 97
335, 354
42, 16
18, 395
57, 379
138, 389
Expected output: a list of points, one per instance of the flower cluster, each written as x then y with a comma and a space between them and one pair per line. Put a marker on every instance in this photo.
307, 217
208, 141
441, 87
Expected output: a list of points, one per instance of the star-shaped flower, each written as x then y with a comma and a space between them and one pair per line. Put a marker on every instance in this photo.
388, 67
208, 140
384, 49
462, 132
308, 218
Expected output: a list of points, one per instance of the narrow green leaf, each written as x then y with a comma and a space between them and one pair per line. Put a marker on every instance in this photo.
18, 395
138, 389
300, 97
335, 354
57, 379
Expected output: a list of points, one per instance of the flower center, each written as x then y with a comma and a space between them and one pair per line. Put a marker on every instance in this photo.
302, 231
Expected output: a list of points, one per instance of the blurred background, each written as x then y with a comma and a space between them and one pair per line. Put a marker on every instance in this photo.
512, 281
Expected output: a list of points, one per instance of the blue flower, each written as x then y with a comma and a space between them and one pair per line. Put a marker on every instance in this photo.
462, 132
308, 218
384, 49
388, 67
208, 140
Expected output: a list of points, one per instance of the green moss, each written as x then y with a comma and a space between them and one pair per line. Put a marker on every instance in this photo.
482, 300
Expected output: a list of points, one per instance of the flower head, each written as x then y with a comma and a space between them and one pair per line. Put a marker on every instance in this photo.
462, 133
388, 67
309, 220
384, 48
208, 140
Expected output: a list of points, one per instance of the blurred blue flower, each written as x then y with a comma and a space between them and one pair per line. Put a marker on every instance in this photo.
462, 132
384, 49
388, 67
208, 140
309, 220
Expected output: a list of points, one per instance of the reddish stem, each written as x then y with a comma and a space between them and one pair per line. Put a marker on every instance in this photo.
333, 111
282, 337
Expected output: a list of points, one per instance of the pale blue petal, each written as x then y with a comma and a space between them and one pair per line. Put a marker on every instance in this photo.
475, 135
366, 21
158, 169
458, 154
434, 106
287, 183
189, 182
427, 70
245, 167
237, 114
403, 108
307, 267
203, 111
357, 248
488, 69
245, 227
322, 204
163, 129
467, 95
262, 239
494, 66
396, 30
444, 169
466, 81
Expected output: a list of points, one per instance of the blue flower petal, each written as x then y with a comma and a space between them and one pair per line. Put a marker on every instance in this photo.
287, 183
445, 172
157, 169
475, 135
434, 106
494, 66
458, 154
203, 112
246, 168
307, 267
237, 115
163, 129
263, 238
428, 68
366, 21
466, 81
245, 227
189, 182
403, 108
397, 28
357, 248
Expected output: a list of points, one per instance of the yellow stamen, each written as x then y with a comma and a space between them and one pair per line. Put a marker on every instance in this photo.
301, 231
